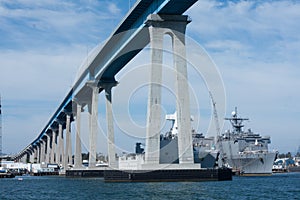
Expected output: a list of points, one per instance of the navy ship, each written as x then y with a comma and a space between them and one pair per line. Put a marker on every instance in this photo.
204, 149
245, 152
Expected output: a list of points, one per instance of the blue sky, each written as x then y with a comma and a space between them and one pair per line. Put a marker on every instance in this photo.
254, 44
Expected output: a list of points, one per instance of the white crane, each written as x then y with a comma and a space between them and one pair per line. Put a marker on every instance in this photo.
215, 114
217, 125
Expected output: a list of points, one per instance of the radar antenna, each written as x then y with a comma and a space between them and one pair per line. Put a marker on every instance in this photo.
236, 122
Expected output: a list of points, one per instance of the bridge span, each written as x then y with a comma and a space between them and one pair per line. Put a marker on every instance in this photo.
146, 22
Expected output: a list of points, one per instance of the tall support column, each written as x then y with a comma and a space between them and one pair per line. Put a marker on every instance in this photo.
78, 156
70, 155
24, 158
38, 152
53, 147
60, 157
68, 151
110, 125
42, 152
28, 157
31, 159
57, 154
93, 123
185, 148
35, 153
154, 95
48, 149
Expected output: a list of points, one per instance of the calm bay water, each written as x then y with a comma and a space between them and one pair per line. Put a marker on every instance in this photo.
278, 186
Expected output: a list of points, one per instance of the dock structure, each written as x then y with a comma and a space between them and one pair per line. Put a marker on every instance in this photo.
147, 22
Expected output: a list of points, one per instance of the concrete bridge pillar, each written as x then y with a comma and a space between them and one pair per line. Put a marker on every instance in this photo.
57, 154
38, 150
175, 26
154, 95
93, 123
35, 154
42, 151
23, 159
185, 148
78, 156
53, 147
68, 150
60, 149
110, 125
48, 149
31, 159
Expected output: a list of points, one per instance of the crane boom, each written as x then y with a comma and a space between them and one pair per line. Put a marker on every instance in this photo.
215, 114
217, 140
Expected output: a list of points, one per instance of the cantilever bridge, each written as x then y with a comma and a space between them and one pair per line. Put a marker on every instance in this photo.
147, 22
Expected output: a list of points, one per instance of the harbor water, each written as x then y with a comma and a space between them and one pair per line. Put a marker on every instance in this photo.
277, 186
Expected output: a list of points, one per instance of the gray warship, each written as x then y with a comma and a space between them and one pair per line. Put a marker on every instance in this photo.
204, 149
245, 152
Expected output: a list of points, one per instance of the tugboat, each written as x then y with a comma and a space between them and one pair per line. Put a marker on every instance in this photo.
244, 151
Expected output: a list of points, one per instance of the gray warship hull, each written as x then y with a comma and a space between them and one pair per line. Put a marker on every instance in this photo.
169, 154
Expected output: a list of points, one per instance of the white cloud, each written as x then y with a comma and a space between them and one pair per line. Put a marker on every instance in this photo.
113, 8
224, 45
37, 73
56, 22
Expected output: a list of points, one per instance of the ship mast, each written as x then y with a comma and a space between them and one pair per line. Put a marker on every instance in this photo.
236, 122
